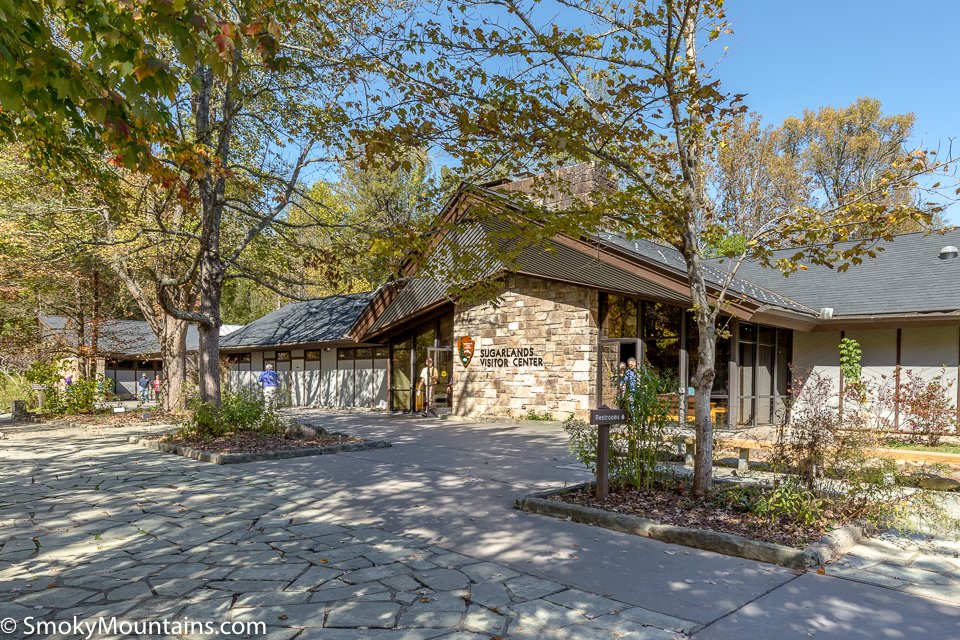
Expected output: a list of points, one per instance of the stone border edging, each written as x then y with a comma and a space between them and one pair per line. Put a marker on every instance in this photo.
828, 548
237, 458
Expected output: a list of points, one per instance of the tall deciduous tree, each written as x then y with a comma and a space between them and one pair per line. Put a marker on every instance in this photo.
224, 107
523, 82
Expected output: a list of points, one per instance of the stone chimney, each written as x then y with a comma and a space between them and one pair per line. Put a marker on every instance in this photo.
581, 181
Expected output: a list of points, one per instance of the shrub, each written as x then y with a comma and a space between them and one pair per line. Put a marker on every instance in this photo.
926, 410
78, 398
637, 447
789, 500
823, 457
240, 412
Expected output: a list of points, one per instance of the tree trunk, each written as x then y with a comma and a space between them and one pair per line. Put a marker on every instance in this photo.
211, 288
703, 384
173, 351
706, 371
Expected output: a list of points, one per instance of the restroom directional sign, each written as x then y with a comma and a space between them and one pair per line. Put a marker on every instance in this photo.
606, 415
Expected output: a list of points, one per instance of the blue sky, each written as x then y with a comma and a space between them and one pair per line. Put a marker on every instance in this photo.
788, 56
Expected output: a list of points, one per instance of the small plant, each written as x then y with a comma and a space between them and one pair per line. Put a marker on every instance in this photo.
790, 500
240, 412
926, 410
739, 497
850, 358
583, 442
532, 414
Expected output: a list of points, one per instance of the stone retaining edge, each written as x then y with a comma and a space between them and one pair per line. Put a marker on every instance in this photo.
237, 458
830, 547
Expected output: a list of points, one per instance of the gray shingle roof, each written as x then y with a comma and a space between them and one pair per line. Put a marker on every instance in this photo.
130, 338
906, 277
312, 322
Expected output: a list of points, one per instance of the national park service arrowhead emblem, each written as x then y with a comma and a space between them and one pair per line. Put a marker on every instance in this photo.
465, 346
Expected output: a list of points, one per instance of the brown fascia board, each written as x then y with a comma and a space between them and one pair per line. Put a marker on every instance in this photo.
784, 318
890, 321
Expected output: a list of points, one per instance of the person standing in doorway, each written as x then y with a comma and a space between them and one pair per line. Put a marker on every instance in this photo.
628, 384
427, 384
270, 381
144, 384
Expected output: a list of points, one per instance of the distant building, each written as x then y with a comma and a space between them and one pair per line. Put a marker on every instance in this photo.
125, 349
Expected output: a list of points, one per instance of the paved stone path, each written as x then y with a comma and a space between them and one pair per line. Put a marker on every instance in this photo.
91, 527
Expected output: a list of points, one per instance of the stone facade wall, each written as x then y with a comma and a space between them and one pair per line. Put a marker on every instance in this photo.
559, 322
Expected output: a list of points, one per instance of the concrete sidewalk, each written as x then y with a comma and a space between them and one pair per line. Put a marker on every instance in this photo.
455, 483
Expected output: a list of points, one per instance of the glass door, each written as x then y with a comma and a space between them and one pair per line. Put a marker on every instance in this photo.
441, 395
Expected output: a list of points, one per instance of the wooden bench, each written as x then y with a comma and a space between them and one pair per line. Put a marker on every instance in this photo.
745, 446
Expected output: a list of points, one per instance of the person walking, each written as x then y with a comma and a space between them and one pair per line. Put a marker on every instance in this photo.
157, 384
144, 384
270, 381
427, 384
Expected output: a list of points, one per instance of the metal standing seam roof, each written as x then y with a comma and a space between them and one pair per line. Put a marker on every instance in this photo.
311, 322
547, 260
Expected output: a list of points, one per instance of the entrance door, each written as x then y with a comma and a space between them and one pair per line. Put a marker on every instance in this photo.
442, 392
612, 354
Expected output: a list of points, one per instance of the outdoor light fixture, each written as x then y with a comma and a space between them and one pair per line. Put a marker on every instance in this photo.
948, 252
826, 313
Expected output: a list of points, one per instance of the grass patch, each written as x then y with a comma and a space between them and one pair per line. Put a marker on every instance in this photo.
917, 446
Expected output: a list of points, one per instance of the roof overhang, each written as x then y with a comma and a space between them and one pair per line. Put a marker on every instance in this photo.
467, 197
890, 321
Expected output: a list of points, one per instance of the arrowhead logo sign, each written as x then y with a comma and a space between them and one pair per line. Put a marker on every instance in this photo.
465, 347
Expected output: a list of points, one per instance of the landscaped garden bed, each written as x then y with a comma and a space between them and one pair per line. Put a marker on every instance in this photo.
824, 473
258, 443
727, 509
243, 429
251, 447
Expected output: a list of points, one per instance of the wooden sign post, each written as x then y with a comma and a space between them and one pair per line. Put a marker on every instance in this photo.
603, 418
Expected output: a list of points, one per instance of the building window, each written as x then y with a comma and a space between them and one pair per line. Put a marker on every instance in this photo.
283, 356
238, 358
345, 354
621, 315
764, 373
661, 337
381, 353
311, 354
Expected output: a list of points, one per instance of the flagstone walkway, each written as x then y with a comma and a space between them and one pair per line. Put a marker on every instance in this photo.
92, 527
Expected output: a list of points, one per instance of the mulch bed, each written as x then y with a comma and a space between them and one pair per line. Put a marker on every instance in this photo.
675, 505
257, 443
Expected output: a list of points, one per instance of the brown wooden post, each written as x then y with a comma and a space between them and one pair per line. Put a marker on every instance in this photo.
603, 456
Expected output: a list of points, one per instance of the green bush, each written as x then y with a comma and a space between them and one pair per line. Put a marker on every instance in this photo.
240, 412
637, 447
79, 398
532, 414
